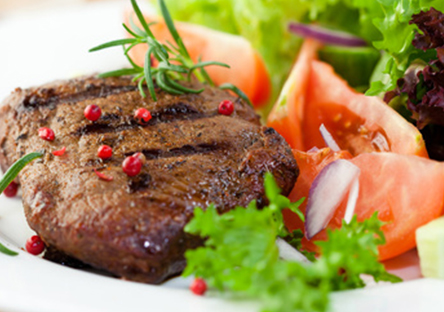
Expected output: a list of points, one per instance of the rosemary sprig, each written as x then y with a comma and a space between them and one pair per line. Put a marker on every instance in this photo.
173, 61
9, 176
14, 170
5, 250
236, 90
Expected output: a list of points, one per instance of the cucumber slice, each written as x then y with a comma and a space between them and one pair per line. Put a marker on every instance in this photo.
430, 244
355, 65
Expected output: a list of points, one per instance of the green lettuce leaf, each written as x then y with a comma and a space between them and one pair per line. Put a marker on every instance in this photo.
240, 256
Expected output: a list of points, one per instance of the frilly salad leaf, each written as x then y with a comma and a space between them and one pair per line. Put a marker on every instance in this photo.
240, 256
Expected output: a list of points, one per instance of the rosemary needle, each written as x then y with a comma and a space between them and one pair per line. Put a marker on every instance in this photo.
9, 176
165, 73
14, 170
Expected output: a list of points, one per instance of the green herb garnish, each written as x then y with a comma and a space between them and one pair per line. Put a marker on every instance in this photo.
240, 255
173, 61
14, 170
9, 176
7, 251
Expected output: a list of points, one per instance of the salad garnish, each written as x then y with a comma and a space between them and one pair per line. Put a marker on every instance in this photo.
240, 255
383, 24
173, 62
5, 250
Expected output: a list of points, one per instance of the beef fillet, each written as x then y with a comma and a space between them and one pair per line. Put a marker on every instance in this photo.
133, 226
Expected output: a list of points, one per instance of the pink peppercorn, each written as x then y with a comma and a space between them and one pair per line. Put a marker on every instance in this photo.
226, 107
46, 134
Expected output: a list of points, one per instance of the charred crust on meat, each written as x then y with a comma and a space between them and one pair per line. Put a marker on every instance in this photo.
22, 136
270, 131
50, 97
114, 123
138, 183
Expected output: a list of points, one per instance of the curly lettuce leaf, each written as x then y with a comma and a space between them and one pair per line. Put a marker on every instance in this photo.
240, 256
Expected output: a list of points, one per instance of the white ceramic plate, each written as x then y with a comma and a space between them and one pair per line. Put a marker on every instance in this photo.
41, 46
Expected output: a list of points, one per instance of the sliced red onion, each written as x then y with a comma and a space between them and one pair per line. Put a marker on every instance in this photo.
326, 193
288, 252
327, 36
328, 139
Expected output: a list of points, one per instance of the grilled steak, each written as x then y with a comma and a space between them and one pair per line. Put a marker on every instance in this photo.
133, 226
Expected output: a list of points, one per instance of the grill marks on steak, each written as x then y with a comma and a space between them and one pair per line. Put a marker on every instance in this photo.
114, 123
133, 226
51, 97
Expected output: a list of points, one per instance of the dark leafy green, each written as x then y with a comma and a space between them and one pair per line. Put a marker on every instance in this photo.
423, 83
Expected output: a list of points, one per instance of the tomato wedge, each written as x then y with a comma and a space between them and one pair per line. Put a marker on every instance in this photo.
406, 190
247, 69
358, 123
286, 115
397, 178
314, 95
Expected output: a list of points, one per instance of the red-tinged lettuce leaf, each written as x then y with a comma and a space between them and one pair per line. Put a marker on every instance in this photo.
424, 83
431, 24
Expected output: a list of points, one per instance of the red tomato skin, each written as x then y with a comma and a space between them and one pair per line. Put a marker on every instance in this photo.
406, 190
